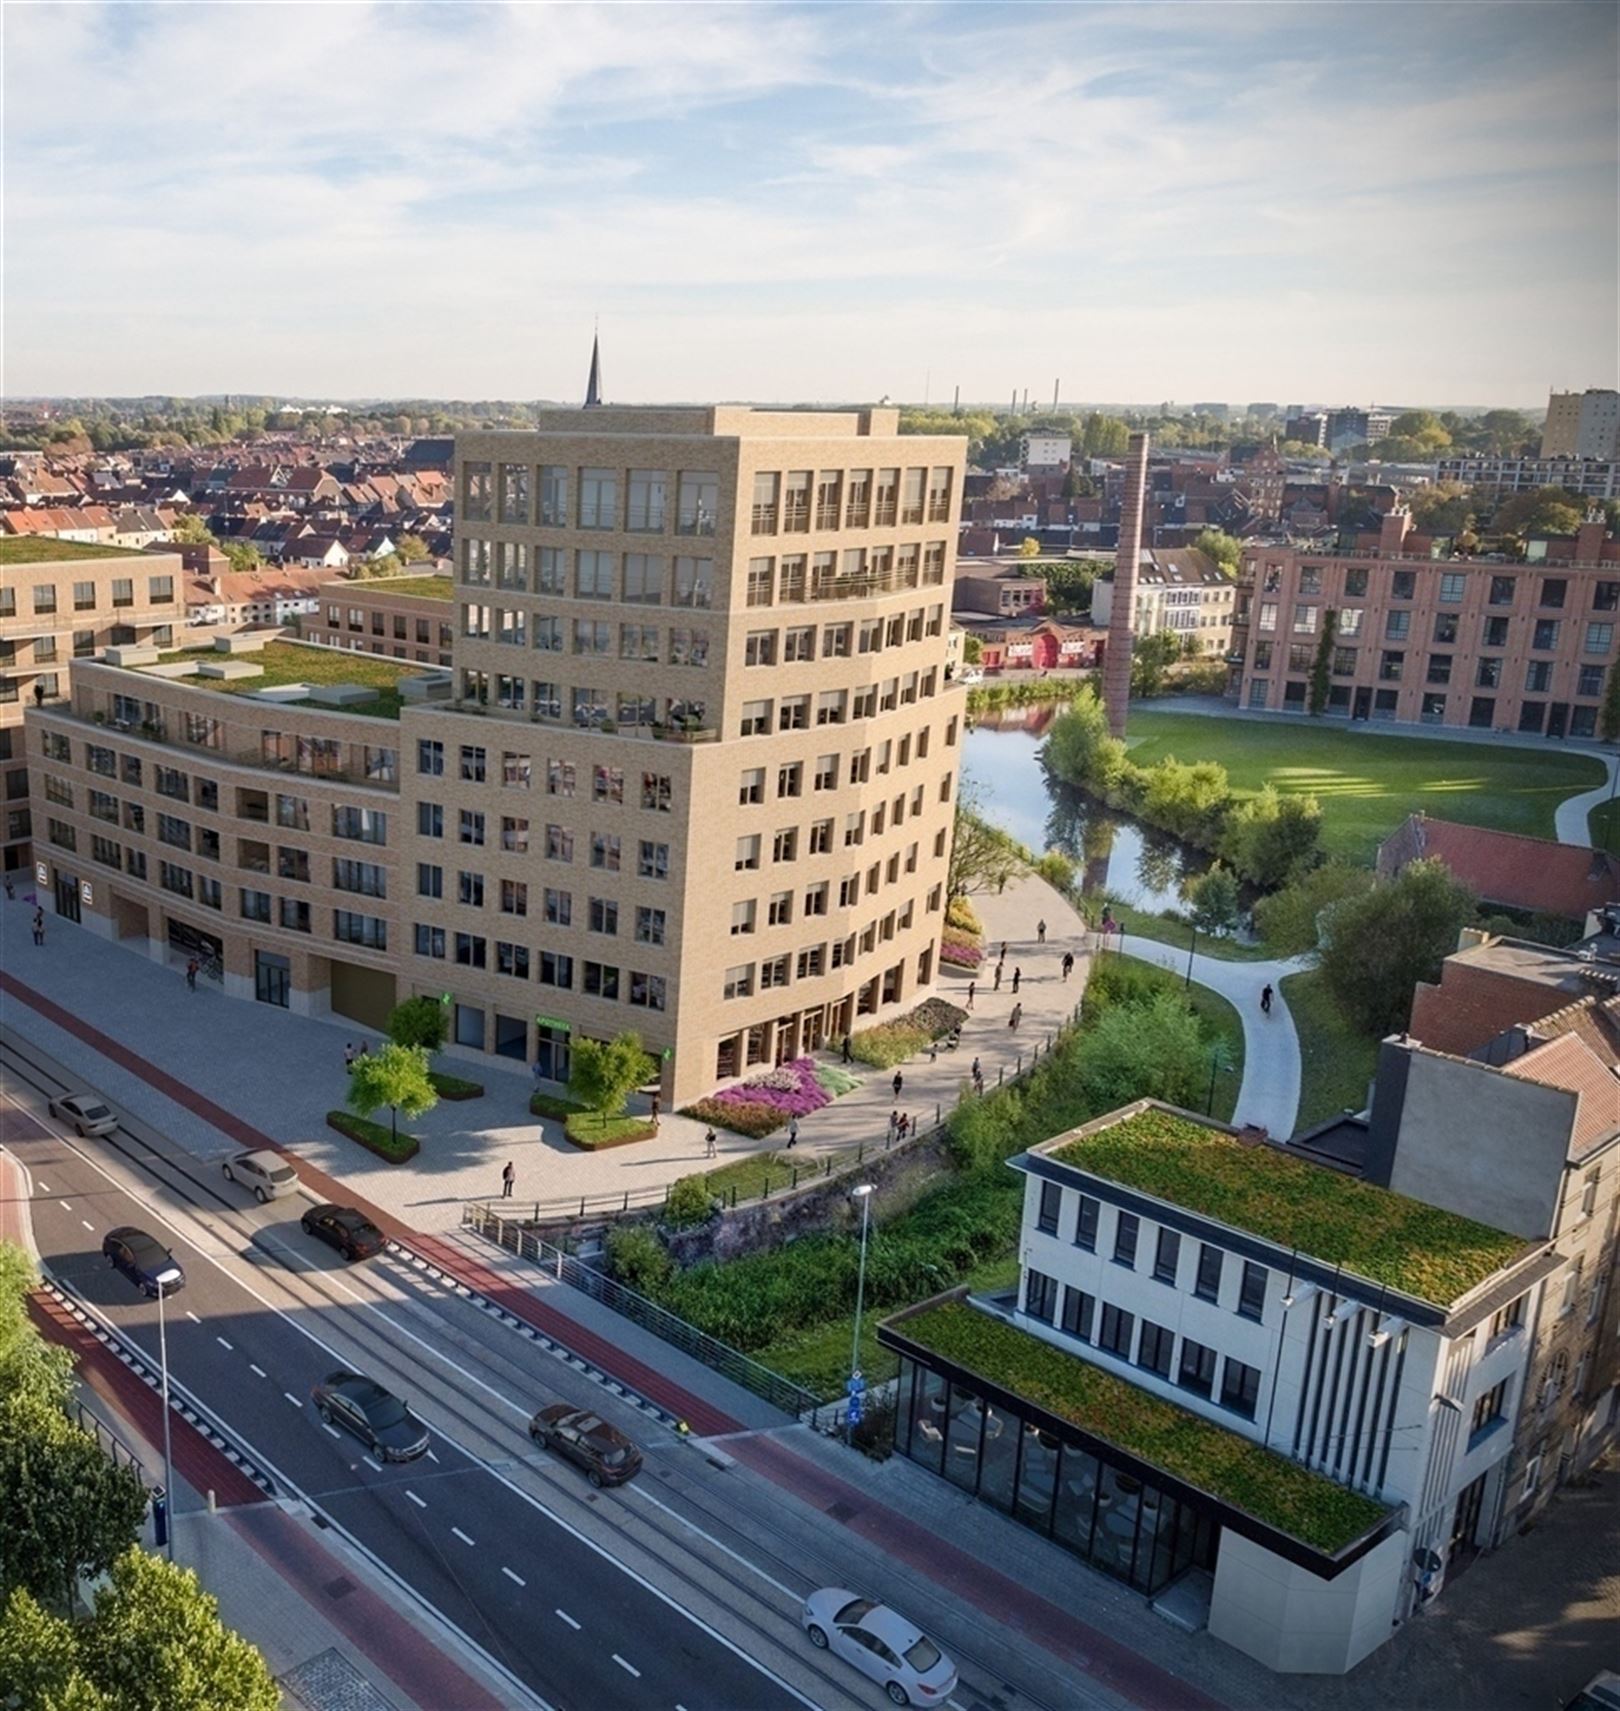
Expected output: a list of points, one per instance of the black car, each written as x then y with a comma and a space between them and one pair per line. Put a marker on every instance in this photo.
352, 1233
144, 1260
606, 1454
376, 1416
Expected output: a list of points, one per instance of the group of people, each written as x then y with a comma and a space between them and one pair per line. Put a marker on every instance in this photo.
352, 1051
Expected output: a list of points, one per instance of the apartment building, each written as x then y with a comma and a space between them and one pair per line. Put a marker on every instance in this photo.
1592, 478
403, 617
694, 771
1178, 589
1484, 643
1224, 1357
1582, 425
61, 602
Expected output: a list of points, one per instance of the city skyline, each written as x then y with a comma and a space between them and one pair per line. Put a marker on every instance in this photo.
812, 203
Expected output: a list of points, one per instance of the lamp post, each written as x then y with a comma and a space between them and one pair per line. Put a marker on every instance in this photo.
862, 1191
1192, 945
168, 1446
1219, 1060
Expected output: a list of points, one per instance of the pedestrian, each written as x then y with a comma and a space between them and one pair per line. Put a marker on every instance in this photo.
39, 926
898, 1083
849, 1056
1003, 956
973, 986
348, 1055
793, 1131
1040, 932
977, 1072
655, 1110
508, 1178
191, 974
536, 1073
997, 986
1265, 1000
1016, 1018
903, 1128
894, 1126
708, 1144
10, 894
365, 1049
1018, 975
1068, 964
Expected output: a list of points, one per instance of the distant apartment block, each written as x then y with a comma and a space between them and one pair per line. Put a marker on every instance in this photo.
1583, 425
403, 617
1044, 452
1499, 476
1178, 589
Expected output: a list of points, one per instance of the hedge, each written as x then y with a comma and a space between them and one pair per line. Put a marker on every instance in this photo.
593, 1134
454, 1086
377, 1138
893, 1042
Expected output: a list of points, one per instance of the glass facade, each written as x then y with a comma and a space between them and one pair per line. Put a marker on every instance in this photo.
1072, 1494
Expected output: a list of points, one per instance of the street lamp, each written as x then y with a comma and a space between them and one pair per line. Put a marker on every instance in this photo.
164, 1279
1220, 1061
1191, 947
862, 1191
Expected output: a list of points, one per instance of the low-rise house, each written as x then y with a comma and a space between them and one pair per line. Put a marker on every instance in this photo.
1507, 868
1179, 589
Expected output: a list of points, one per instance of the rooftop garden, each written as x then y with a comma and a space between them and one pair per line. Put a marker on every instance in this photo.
46, 549
1233, 1469
1433, 1255
285, 663
429, 587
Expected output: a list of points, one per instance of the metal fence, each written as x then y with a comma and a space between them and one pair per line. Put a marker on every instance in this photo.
719, 1357
111, 1445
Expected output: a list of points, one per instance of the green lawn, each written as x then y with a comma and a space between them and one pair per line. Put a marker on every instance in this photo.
1366, 783
45, 549
1336, 1062
1220, 1020
1603, 827
429, 587
291, 662
1167, 930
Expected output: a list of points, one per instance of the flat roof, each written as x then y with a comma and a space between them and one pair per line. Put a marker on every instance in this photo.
286, 663
427, 587
46, 549
1384, 1237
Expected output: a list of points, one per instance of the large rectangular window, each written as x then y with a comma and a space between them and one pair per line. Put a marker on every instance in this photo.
1125, 1233
1166, 1255
1040, 1295
1051, 1209
1240, 1387
1085, 1223
1115, 1331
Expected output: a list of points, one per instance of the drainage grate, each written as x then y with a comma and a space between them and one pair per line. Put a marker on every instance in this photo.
339, 1588
329, 1682
842, 1511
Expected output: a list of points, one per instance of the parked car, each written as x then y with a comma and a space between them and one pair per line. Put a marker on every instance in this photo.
880, 1643
1601, 1693
88, 1114
606, 1454
376, 1416
144, 1260
268, 1174
352, 1233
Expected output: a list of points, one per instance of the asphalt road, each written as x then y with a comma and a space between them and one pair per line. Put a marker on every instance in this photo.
569, 1622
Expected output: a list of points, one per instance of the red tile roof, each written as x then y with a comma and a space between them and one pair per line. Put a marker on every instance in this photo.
1568, 1062
1507, 867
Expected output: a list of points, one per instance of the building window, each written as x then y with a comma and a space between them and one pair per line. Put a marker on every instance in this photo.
1599, 638
1167, 1253
598, 499
1489, 1411
1252, 1291
1051, 1209
647, 991
1553, 591
1040, 1295
1196, 1371
1125, 1233
1155, 1349
1116, 1330
1078, 1312
1240, 1387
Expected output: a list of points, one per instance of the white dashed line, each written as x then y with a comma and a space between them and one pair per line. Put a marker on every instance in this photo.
510, 1576
44, 1188
332, 1429
628, 1668
432, 1456
87, 1224
416, 1500
66, 1205
223, 1344
297, 1401
193, 1317
377, 1465
258, 1371
461, 1535
567, 1618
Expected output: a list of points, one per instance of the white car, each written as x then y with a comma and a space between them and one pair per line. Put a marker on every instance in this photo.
88, 1114
880, 1643
266, 1173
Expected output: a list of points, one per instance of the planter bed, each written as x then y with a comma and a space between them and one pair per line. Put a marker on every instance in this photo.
374, 1137
454, 1086
592, 1134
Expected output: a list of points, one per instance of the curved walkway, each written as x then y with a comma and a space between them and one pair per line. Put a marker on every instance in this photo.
1571, 818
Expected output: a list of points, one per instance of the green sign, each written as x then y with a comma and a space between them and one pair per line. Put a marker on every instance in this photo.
666, 1054
553, 1022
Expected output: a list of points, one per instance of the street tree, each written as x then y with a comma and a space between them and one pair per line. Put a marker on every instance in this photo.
39, 1656
1220, 546
28, 1364
420, 1021
397, 1077
604, 1073
983, 857
1214, 899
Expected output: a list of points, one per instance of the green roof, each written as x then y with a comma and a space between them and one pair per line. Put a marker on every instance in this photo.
428, 587
286, 663
46, 549
1231, 1468
1424, 1252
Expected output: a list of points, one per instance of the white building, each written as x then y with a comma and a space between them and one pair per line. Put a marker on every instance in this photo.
1044, 452
1177, 588
1294, 1380
1592, 478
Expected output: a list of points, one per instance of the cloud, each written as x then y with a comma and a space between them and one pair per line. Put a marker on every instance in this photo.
777, 202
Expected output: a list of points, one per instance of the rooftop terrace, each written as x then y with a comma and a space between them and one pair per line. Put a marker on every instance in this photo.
46, 549
425, 587
1384, 1237
283, 664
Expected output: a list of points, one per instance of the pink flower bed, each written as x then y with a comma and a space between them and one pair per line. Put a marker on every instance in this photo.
961, 956
791, 1089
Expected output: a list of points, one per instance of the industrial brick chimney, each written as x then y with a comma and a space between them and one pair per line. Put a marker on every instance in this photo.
1122, 614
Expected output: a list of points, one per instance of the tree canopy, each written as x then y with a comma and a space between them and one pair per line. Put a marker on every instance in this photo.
604, 1073
397, 1077
420, 1021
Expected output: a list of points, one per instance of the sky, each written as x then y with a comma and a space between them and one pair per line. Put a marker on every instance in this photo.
1393, 203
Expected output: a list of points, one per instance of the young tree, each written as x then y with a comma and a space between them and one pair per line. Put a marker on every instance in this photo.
1214, 899
1153, 1049
1029, 547
1268, 837
68, 1509
192, 530
156, 1640
604, 1073
1321, 666
243, 555
419, 1021
412, 549
397, 1077
1079, 749
1151, 656
1287, 919
1223, 548
972, 650
1609, 713
983, 857
1377, 947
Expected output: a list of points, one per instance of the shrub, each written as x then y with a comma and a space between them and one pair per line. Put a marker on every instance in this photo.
742, 1117
961, 913
374, 1137
688, 1202
836, 1081
550, 1105
638, 1257
454, 1086
591, 1133
1287, 919
419, 1021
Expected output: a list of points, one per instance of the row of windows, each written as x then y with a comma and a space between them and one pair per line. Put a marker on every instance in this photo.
743, 980
836, 706
511, 897
120, 594
850, 575
1152, 1347
790, 501
551, 968
521, 494
633, 579
1545, 633
1554, 719
1538, 675
421, 628
516, 772
1450, 587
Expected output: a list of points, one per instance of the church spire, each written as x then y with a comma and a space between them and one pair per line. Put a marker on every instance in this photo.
593, 386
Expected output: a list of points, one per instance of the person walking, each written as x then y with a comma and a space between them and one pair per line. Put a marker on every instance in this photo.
191, 974
849, 1056
508, 1180
1265, 1000
1003, 956
997, 986
1018, 975
348, 1055
1016, 1017
894, 1127
1068, 964
11, 895
535, 1072
898, 1083
793, 1132
976, 1070
904, 1127
39, 926
1040, 932
708, 1144
973, 986
655, 1110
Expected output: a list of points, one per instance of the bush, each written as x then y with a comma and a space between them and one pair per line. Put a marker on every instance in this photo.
638, 1258
591, 1133
1287, 919
755, 1119
959, 912
419, 1021
873, 1433
688, 1202
893, 1042
375, 1137
454, 1086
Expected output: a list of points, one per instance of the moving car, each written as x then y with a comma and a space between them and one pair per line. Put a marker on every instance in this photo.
352, 1233
880, 1643
144, 1260
88, 1114
606, 1454
266, 1173
376, 1416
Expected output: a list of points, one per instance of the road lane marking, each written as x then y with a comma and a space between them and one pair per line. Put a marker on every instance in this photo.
461, 1535
193, 1317
297, 1401
372, 1464
510, 1576
223, 1344
726, 1550
44, 1187
87, 1224
258, 1370
567, 1618
432, 1456
66, 1205
628, 1668
415, 1499
332, 1429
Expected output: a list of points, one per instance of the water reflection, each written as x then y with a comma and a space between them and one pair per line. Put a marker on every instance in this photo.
1118, 856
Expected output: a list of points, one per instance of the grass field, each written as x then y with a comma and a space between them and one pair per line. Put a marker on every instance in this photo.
1604, 827
46, 549
1335, 1062
1367, 783
283, 663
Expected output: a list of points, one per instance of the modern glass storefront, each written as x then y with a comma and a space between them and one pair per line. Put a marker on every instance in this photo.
1073, 1494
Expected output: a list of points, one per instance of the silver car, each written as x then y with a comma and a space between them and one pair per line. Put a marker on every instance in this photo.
880, 1643
85, 1112
266, 1173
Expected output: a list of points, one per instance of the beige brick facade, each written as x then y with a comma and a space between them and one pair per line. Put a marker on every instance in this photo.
384, 617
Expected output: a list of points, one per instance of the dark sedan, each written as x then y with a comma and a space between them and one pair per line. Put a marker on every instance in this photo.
606, 1454
376, 1416
144, 1260
341, 1227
